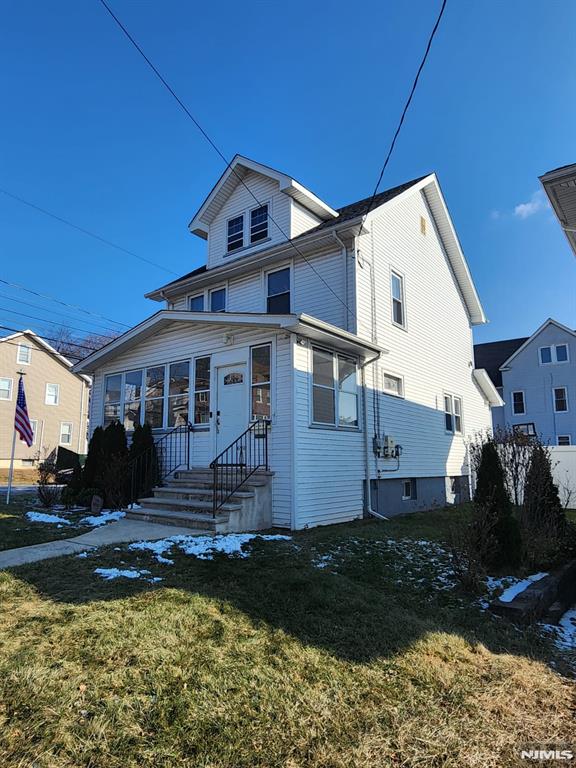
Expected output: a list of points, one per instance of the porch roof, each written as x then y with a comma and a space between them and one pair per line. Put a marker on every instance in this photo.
301, 324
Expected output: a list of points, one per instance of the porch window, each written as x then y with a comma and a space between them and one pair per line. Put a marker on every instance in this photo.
278, 284
260, 381
235, 233
258, 224
202, 390
334, 389
112, 395
154, 397
132, 398
178, 389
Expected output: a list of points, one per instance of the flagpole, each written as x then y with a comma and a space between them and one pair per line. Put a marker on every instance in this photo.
11, 472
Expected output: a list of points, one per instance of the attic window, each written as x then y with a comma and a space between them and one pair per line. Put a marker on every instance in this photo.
258, 224
235, 233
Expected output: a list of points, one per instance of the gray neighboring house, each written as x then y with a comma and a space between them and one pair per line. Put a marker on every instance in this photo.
536, 378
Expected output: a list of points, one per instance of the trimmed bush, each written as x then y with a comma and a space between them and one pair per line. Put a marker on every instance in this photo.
93, 465
144, 472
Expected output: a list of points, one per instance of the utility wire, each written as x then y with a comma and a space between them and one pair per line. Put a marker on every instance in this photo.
48, 338
39, 349
62, 303
218, 151
94, 327
47, 321
85, 231
406, 106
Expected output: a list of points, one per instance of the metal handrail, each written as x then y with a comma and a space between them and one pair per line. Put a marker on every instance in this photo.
152, 466
236, 463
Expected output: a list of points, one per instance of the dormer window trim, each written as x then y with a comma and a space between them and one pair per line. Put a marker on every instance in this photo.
248, 229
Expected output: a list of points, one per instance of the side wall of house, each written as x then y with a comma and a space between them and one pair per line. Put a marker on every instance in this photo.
182, 342
433, 353
538, 381
329, 463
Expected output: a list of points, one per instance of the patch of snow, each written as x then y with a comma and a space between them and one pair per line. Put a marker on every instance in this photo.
42, 517
105, 517
564, 633
203, 547
117, 573
82, 555
512, 586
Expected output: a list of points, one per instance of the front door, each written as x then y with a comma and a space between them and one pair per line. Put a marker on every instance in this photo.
231, 404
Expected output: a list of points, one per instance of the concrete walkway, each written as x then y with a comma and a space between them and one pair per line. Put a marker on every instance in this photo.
119, 532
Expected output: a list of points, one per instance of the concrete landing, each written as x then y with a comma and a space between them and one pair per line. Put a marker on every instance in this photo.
122, 531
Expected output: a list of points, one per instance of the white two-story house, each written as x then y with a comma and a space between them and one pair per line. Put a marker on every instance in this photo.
344, 339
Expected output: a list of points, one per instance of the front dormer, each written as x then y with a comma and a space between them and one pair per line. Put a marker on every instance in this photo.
253, 207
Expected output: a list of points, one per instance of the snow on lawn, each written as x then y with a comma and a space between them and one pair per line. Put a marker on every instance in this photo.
42, 517
513, 586
203, 547
107, 516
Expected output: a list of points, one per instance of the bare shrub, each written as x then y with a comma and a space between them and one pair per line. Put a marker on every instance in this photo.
48, 492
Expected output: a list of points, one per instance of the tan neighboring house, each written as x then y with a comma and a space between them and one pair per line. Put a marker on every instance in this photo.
57, 399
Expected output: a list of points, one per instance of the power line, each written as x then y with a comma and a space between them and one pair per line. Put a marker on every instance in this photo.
48, 338
62, 303
46, 321
406, 106
85, 231
39, 349
60, 314
219, 152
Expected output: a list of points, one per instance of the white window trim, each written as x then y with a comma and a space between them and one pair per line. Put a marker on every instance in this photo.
24, 362
565, 398
246, 244
200, 294
392, 375
51, 384
331, 425
250, 244
270, 382
71, 425
565, 437
400, 275
518, 392
34, 427
452, 398
10, 388
553, 356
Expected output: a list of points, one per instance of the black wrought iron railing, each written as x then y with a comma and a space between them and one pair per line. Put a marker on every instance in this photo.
152, 467
245, 456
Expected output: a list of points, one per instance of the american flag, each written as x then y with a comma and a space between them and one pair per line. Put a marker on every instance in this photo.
21, 421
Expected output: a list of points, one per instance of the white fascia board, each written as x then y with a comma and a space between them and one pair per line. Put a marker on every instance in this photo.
318, 330
550, 321
565, 179
486, 384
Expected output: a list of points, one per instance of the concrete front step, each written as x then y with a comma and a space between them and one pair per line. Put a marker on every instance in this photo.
183, 492
196, 521
185, 505
199, 477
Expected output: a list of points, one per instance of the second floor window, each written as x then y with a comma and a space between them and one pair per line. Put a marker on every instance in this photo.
258, 224
196, 303
66, 433
52, 394
560, 399
235, 233
453, 414
518, 406
218, 300
398, 310
5, 389
24, 354
278, 285
557, 353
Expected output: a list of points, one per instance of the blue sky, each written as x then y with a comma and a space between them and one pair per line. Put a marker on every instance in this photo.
314, 89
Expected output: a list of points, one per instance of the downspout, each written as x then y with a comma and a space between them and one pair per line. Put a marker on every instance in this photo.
368, 495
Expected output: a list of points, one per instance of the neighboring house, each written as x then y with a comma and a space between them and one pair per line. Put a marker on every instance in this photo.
560, 186
536, 377
353, 340
56, 397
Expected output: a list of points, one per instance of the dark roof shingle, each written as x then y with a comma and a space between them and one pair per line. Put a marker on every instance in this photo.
493, 354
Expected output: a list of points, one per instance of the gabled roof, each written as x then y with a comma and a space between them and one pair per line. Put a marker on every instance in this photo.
234, 174
560, 186
491, 355
48, 348
301, 324
544, 325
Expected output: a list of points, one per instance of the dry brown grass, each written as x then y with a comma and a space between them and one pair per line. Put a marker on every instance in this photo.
21, 476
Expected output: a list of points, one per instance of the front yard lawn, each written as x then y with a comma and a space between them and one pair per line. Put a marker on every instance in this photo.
16, 530
346, 646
